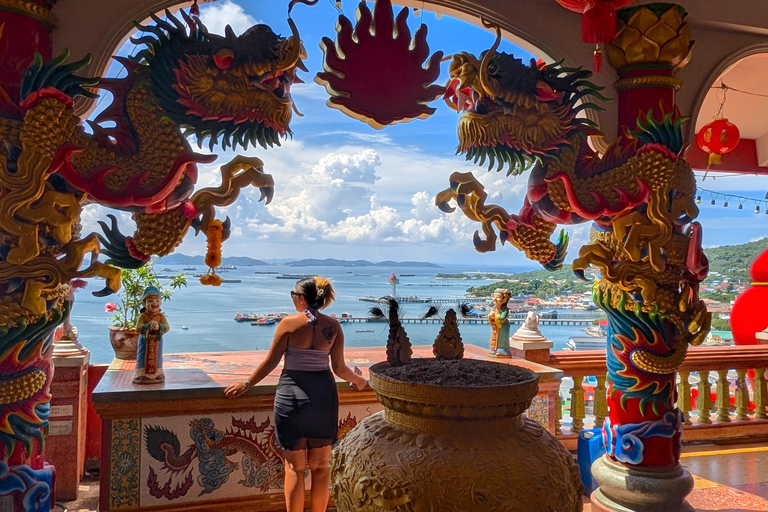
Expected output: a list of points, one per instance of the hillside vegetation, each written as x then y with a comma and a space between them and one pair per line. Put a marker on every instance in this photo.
730, 262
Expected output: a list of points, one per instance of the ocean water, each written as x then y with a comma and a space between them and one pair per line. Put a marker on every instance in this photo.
208, 312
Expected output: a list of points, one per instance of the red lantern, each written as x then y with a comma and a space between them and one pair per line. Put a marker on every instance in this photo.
718, 138
749, 314
598, 22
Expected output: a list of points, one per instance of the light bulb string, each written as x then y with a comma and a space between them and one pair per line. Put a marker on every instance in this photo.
726, 197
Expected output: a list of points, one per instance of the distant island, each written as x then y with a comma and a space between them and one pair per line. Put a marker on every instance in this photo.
331, 262
183, 259
245, 261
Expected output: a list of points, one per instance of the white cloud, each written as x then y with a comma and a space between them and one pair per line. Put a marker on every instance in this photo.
216, 16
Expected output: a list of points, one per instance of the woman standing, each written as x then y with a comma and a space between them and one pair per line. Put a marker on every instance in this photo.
306, 403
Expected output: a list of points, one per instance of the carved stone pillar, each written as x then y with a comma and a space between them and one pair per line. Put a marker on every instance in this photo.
641, 471
652, 43
25, 340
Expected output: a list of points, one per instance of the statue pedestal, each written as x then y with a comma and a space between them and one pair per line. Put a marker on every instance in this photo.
65, 447
536, 351
762, 337
528, 342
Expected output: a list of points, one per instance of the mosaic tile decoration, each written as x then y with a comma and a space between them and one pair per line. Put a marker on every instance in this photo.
188, 459
124, 464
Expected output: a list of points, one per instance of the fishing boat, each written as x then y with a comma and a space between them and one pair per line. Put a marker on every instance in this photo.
190, 267
365, 330
248, 317
264, 320
184, 327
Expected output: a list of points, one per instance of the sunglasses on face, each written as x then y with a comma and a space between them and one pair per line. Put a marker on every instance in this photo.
296, 294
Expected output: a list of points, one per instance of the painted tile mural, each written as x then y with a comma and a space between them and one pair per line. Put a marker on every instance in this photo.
189, 459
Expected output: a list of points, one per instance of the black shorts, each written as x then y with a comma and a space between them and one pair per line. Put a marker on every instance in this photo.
306, 409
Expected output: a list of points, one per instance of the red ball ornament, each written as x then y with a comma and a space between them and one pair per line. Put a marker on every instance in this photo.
718, 138
749, 314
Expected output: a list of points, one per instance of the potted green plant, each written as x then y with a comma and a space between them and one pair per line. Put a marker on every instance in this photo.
122, 332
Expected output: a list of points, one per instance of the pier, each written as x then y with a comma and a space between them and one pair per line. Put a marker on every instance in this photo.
577, 320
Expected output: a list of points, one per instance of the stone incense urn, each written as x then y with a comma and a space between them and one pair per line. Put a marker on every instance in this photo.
452, 438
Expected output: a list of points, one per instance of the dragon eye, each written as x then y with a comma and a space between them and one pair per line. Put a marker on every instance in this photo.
223, 58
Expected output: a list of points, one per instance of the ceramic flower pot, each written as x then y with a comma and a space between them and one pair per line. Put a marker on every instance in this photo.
453, 448
124, 341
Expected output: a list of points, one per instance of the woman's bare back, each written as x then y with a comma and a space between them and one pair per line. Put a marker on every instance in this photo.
319, 336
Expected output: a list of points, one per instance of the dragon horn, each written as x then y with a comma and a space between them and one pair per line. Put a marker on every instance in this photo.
295, 45
485, 80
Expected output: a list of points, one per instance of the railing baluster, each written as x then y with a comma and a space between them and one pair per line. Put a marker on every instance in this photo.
760, 394
723, 396
704, 400
558, 414
577, 404
684, 396
742, 395
601, 401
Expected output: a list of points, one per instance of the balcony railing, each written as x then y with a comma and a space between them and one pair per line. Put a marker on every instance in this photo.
718, 394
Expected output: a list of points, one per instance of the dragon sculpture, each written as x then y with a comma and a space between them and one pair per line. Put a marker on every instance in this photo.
232, 91
639, 195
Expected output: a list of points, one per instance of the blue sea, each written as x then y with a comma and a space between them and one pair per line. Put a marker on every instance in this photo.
208, 312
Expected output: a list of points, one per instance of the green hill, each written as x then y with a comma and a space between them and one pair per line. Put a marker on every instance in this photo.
728, 261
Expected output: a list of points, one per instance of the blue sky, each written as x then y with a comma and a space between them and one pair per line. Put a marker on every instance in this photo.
345, 190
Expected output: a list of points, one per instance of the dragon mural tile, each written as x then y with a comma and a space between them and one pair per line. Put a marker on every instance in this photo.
227, 91
639, 196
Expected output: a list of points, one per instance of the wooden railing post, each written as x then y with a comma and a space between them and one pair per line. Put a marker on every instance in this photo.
577, 404
723, 391
684, 396
742, 395
601, 402
760, 394
704, 400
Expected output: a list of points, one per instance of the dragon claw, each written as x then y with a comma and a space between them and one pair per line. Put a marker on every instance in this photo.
267, 193
460, 200
579, 273
444, 206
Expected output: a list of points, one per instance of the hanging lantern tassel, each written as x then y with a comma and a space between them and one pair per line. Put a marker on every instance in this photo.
213, 255
597, 60
598, 23
194, 10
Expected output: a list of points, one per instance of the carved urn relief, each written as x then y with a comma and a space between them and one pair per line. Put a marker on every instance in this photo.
443, 447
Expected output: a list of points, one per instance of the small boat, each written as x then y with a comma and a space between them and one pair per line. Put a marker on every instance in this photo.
265, 272
184, 327
248, 317
365, 330
265, 321
189, 267
293, 276
407, 275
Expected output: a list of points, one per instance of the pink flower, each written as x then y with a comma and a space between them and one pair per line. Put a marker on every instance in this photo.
109, 307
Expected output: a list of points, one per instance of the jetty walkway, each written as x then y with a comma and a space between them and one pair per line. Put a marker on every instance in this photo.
516, 319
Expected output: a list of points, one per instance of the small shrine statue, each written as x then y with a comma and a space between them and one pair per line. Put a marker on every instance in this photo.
398, 345
448, 344
499, 323
529, 331
151, 325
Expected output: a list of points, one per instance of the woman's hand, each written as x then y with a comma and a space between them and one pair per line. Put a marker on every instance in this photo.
359, 383
237, 389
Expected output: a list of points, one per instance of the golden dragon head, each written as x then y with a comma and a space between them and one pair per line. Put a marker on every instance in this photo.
513, 114
232, 89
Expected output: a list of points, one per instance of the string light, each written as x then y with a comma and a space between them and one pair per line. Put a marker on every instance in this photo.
714, 196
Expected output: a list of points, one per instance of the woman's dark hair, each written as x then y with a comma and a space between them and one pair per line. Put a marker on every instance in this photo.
317, 291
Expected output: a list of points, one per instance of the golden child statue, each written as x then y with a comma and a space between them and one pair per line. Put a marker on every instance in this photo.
151, 325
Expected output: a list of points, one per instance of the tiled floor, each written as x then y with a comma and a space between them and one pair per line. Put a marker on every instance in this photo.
730, 479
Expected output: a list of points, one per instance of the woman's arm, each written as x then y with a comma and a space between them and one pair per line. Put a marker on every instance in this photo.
276, 351
338, 365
